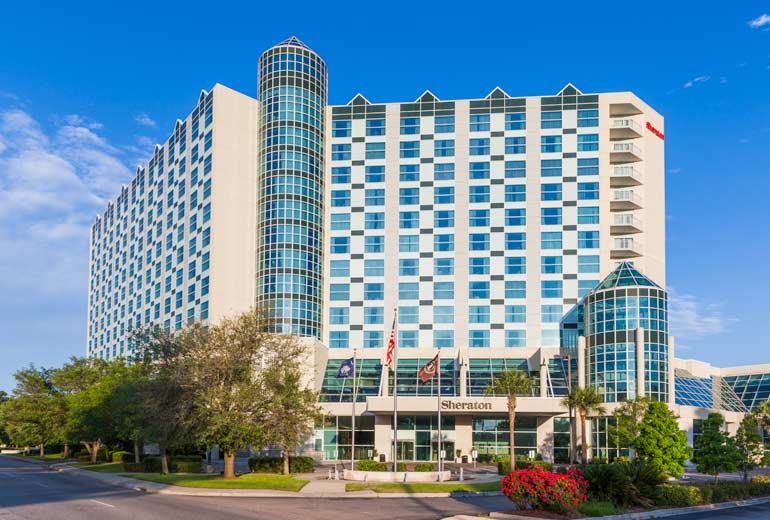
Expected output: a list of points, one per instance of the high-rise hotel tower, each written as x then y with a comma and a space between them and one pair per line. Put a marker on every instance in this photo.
507, 232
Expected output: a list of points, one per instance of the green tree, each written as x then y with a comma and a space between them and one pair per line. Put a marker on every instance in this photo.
751, 448
292, 406
660, 440
511, 383
628, 416
95, 413
586, 401
715, 451
165, 393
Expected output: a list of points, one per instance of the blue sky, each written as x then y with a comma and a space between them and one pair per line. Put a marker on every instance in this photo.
86, 89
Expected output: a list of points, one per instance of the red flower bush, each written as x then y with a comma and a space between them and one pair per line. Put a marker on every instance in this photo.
540, 489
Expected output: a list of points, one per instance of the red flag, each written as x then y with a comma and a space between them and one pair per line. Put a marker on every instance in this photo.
429, 370
391, 345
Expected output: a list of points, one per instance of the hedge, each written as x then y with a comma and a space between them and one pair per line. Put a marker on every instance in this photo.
424, 467
83, 458
504, 466
132, 467
188, 467
122, 456
373, 465
678, 495
275, 464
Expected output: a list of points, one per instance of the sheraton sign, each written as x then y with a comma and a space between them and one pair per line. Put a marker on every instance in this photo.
453, 405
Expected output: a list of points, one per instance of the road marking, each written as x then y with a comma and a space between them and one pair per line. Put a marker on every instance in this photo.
103, 503
41, 485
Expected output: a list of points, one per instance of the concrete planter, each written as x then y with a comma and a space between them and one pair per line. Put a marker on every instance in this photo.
400, 476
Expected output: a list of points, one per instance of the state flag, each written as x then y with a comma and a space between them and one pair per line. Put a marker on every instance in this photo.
346, 368
429, 370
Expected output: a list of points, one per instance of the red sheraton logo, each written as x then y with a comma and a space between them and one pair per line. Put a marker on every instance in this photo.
655, 130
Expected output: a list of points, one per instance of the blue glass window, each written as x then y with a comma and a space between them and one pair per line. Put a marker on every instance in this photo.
339, 292
550, 240
515, 241
515, 169
588, 239
478, 289
515, 265
443, 339
410, 125
478, 218
516, 217
443, 171
408, 267
340, 198
373, 338
409, 149
374, 291
374, 315
409, 172
340, 152
443, 314
409, 243
588, 142
375, 174
478, 242
444, 219
550, 192
443, 242
479, 123
408, 291
478, 194
444, 124
375, 127
341, 128
479, 146
408, 315
340, 245
516, 121
374, 220
550, 168
374, 197
551, 265
588, 166
444, 195
374, 267
478, 265
340, 268
408, 195
551, 313
340, 221
551, 288
515, 193
478, 338
515, 289
409, 220
443, 290
588, 190
374, 244
514, 145
443, 266
478, 314
550, 144
515, 338
550, 216
444, 148
587, 118
588, 264
339, 339
550, 120
478, 170
515, 313
341, 175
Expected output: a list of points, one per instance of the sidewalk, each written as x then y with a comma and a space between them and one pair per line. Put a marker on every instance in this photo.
317, 487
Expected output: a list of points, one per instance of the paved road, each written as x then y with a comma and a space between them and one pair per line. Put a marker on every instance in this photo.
736, 513
31, 492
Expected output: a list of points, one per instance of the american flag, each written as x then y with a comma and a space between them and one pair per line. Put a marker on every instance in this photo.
391, 345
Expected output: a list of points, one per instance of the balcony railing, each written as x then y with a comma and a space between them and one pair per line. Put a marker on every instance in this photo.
625, 224
624, 109
623, 176
626, 247
625, 200
625, 152
625, 128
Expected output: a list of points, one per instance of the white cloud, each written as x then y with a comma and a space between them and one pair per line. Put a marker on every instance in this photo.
144, 120
760, 21
699, 79
691, 319
53, 182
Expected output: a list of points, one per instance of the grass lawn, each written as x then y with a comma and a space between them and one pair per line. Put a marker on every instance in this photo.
248, 481
102, 467
599, 508
428, 487
48, 457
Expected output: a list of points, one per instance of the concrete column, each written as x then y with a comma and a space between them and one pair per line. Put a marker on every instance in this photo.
545, 437
671, 373
640, 362
463, 435
382, 435
384, 391
463, 376
543, 377
581, 356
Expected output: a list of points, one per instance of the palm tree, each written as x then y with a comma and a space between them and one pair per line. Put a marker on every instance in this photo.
511, 383
587, 401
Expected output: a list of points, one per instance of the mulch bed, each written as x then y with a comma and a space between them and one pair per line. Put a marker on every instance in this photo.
536, 513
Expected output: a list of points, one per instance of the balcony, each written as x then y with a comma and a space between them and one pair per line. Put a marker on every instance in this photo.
625, 152
625, 224
626, 247
624, 200
624, 176
625, 128
624, 109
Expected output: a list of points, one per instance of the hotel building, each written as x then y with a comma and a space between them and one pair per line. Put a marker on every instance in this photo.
503, 232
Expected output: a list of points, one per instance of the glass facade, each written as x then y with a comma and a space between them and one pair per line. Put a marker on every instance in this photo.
623, 302
418, 437
751, 389
491, 435
334, 437
292, 91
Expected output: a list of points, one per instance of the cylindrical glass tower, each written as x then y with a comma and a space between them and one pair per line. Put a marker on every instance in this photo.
626, 321
292, 107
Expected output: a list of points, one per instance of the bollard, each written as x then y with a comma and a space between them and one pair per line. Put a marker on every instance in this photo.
330, 473
461, 475
336, 473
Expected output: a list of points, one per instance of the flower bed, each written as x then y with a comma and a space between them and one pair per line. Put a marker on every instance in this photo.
539, 489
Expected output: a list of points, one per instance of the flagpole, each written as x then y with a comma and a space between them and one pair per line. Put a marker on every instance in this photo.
438, 374
395, 390
353, 419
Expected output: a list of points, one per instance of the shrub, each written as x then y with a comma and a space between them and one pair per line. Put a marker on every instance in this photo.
424, 467
371, 465
186, 458
504, 465
132, 467
275, 464
598, 508
561, 493
301, 464
152, 464
761, 479
759, 489
678, 495
485, 458
83, 458
726, 491
122, 456
188, 467
103, 455
624, 484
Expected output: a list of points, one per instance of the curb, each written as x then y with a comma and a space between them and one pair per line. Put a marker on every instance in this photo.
166, 489
644, 515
